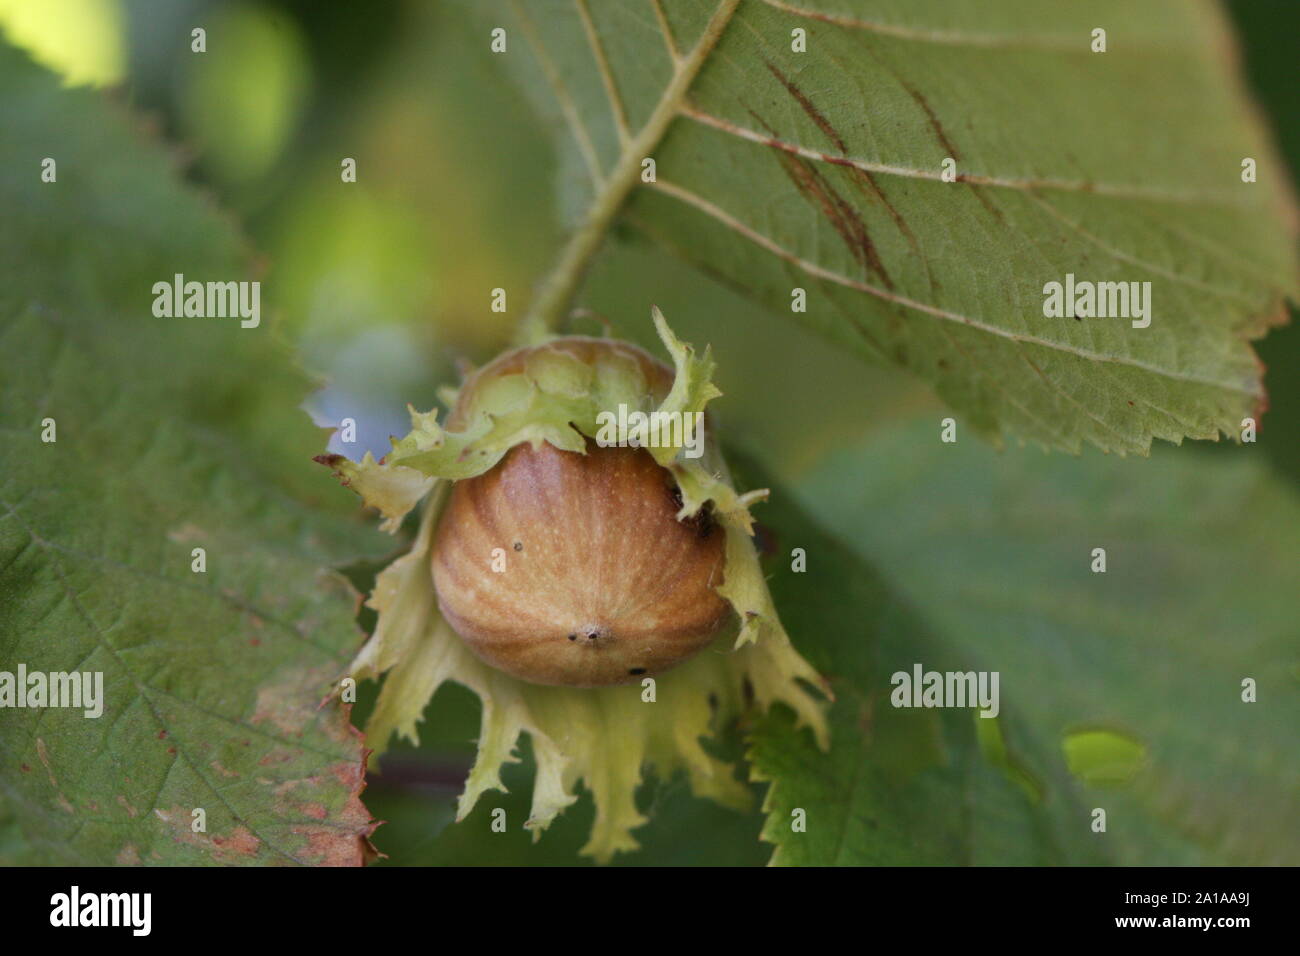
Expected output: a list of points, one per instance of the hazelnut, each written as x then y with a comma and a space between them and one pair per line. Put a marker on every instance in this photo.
596, 581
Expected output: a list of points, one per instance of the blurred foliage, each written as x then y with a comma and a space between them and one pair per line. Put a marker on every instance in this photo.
1128, 681
82, 40
1267, 30
240, 111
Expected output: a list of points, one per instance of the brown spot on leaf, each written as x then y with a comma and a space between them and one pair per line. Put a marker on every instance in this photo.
290, 702
344, 841
277, 756
979, 194
939, 132
866, 182
807, 106
285, 786
238, 845
860, 177
128, 856
816, 188
186, 533
846, 221
241, 842
300, 702
44, 756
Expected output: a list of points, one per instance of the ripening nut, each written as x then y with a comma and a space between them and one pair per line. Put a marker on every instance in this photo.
566, 548
600, 583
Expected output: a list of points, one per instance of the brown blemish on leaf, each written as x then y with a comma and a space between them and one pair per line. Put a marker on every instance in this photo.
277, 756
807, 106
128, 856
864, 180
44, 756
295, 703
186, 533
839, 213
344, 841
225, 772
240, 842
130, 810
941, 135
237, 846
930, 115
816, 188
983, 199
289, 703
285, 786
324, 848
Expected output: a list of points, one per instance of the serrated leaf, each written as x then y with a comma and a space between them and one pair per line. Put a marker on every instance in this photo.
823, 170
1121, 690
171, 434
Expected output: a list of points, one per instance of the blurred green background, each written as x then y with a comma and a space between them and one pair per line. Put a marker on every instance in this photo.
385, 283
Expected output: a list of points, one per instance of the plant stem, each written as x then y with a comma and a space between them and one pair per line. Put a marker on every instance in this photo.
561, 284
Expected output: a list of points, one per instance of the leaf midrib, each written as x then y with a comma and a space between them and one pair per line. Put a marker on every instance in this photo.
562, 283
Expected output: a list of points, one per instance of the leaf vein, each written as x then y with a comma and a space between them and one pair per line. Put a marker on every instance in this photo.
813, 269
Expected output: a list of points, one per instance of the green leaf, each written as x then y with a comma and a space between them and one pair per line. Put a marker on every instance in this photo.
897, 787
1120, 690
172, 434
822, 170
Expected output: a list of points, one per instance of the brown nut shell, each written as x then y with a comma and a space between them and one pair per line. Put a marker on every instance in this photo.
601, 584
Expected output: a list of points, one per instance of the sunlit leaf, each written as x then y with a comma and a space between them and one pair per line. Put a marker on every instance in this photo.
778, 169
